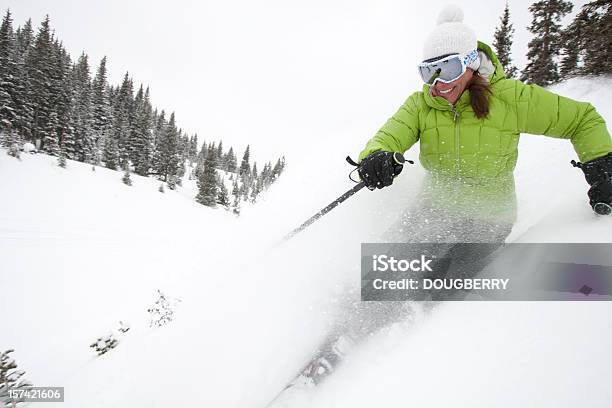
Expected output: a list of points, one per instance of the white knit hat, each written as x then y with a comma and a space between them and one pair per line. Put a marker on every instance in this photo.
450, 36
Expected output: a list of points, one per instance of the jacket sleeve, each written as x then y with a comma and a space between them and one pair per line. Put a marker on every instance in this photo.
399, 133
541, 112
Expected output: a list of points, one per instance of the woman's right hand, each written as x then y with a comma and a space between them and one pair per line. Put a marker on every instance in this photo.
378, 169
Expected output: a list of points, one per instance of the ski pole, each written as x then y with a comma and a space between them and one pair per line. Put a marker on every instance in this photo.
399, 159
325, 210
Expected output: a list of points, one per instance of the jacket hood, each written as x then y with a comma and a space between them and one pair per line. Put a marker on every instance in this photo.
498, 74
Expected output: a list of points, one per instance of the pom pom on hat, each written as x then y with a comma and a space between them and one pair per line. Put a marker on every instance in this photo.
450, 36
450, 14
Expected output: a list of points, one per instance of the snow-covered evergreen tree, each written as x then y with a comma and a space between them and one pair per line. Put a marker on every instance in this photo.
207, 181
266, 175
61, 158
9, 139
127, 180
193, 148
245, 188
25, 41
182, 156
8, 75
591, 34
85, 145
545, 47
162, 311
101, 119
236, 198
104, 344
503, 43
122, 108
219, 153
200, 160
231, 161
222, 194
166, 161
245, 167
111, 152
278, 168
39, 65
62, 90
143, 144
10, 379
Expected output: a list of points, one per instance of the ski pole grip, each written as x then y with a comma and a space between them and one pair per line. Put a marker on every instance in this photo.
602, 209
398, 158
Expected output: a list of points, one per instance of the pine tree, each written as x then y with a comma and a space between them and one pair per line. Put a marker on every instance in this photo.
101, 117
597, 37
167, 155
39, 64
61, 159
220, 158
245, 167
50, 141
111, 153
162, 311
22, 100
231, 161
278, 168
85, 146
11, 379
122, 105
183, 151
245, 188
256, 189
193, 149
64, 93
545, 47
266, 175
127, 180
222, 194
207, 182
143, 143
8, 75
587, 41
159, 128
503, 43
104, 344
236, 198
9, 138
172, 181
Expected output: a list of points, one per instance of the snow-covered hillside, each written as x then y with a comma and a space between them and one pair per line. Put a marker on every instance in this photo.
80, 251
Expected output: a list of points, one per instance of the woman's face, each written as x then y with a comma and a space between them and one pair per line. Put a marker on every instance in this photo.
453, 90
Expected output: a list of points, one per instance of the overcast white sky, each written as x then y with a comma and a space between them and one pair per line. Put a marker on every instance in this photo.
279, 74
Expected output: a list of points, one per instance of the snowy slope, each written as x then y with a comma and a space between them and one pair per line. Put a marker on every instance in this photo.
81, 251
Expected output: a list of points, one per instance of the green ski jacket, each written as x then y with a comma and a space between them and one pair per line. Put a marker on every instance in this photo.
470, 161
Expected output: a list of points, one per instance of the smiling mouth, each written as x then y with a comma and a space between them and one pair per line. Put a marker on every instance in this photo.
447, 91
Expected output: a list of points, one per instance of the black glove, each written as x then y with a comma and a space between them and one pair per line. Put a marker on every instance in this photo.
598, 174
378, 169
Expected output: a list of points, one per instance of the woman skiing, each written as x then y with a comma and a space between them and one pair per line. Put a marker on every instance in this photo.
467, 120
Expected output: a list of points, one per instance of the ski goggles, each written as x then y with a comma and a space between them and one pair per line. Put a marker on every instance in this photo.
446, 68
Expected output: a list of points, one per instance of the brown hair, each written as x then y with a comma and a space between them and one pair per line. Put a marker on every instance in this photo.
480, 90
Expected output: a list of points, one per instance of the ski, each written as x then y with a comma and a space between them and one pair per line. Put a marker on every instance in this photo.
319, 368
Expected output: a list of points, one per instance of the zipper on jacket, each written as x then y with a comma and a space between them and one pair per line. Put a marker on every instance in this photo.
456, 118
